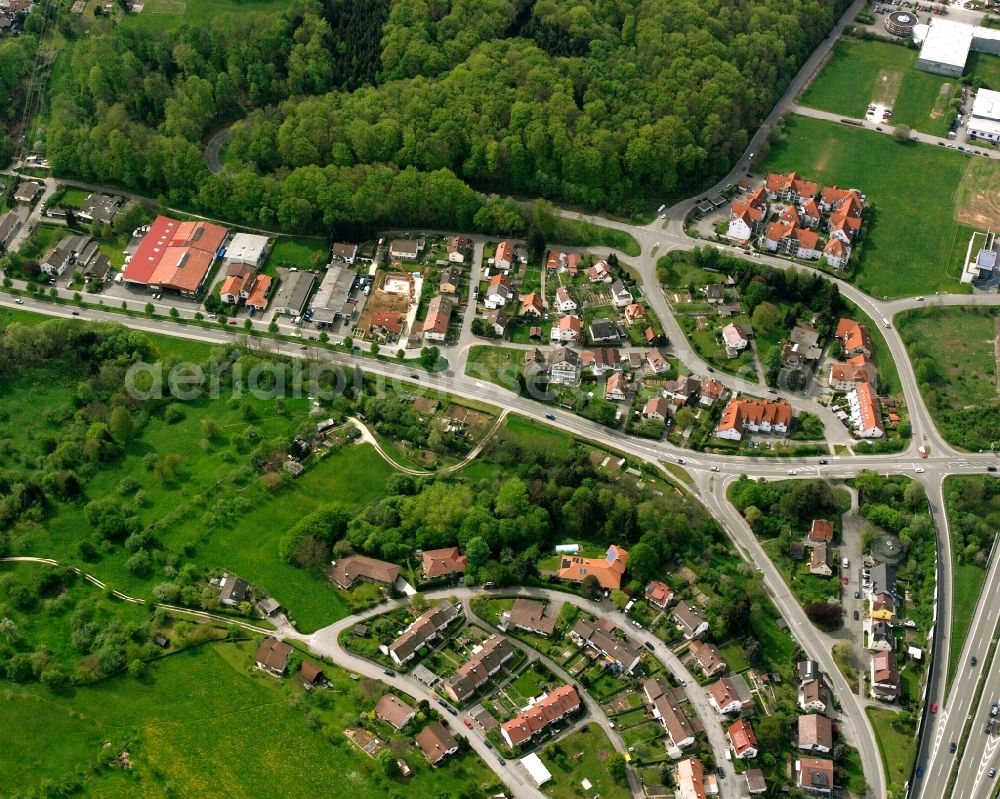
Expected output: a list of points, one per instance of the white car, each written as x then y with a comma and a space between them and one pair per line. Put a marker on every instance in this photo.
919, 470
792, 472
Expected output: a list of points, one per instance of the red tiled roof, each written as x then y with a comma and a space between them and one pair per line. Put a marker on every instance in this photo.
175, 254
439, 562
871, 410
608, 570
558, 703
821, 530
742, 737
258, 294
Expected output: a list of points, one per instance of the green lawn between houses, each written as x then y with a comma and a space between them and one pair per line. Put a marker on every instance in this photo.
257, 728
903, 183
850, 81
897, 749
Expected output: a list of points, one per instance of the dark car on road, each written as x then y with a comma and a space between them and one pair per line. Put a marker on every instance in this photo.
389, 673
953, 747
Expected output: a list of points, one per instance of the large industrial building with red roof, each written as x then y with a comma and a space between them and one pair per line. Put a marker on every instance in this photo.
176, 255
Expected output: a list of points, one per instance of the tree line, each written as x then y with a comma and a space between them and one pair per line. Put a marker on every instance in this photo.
407, 112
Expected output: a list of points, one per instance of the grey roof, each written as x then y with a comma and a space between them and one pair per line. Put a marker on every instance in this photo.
564, 354
333, 293
233, 589
424, 627
624, 651
294, 289
8, 223
101, 207
603, 330
883, 578
476, 671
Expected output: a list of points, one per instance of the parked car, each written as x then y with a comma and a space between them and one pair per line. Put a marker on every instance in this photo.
857, 616
857, 595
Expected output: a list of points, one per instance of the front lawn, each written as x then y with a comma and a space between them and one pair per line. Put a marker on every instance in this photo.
902, 183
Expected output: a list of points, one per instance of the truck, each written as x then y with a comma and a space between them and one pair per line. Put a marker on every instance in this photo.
923, 450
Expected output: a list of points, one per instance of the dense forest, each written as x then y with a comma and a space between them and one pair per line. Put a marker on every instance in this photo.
16, 60
404, 111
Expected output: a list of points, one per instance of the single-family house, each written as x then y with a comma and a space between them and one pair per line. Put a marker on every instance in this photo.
487, 659
854, 338
504, 257
597, 636
815, 733
656, 408
458, 249
608, 570
69, 254
664, 708
603, 330
564, 300
436, 742
233, 590
424, 629
344, 252
394, 711
811, 696
882, 638
634, 313
259, 293
549, 709
682, 390
620, 295
802, 346
532, 305
657, 362
734, 340
272, 656
26, 191
715, 293
449, 281
496, 321
438, 318
814, 775
601, 360
806, 670
821, 531
564, 366
711, 391
729, 694
708, 658
599, 272
348, 570
101, 208
445, 562
884, 676
614, 389
659, 594
239, 280
530, 615
406, 249
499, 292
742, 740
690, 620
311, 674
820, 563
567, 330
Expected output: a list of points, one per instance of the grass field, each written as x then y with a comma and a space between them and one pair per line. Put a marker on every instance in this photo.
859, 73
170, 14
985, 68
954, 358
967, 581
197, 703
499, 365
902, 183
978, 199
578, 233
897, 749
214, 511
568, 774
299, 252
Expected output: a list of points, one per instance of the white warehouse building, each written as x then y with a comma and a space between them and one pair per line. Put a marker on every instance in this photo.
984, 122
946, 46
